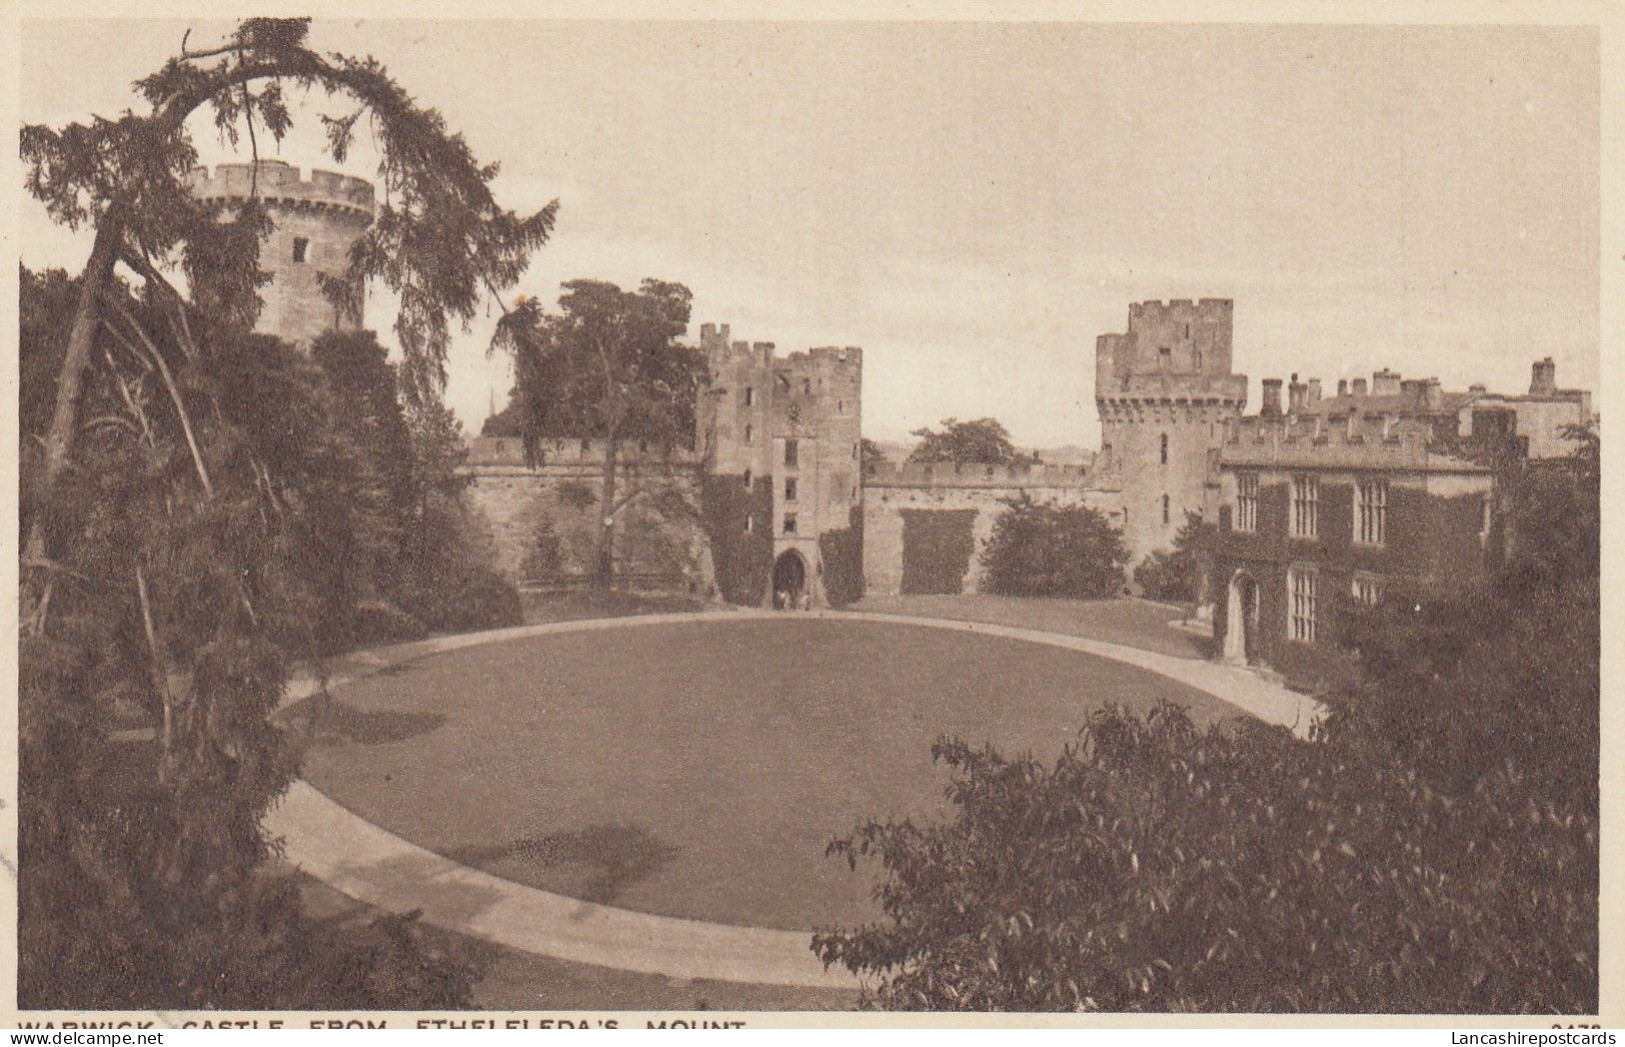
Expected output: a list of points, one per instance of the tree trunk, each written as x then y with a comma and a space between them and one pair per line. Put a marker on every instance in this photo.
605, 576
70, 384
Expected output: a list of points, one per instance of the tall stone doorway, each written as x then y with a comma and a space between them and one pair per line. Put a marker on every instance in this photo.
1241, 620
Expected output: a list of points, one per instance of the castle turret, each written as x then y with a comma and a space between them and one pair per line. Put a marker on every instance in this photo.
1165, 391
787, 433
315, 223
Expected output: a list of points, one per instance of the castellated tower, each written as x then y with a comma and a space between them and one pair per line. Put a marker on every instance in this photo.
1165, 392
316, 222
787, 432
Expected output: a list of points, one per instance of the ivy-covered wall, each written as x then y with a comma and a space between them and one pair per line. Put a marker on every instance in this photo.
842, 553
937, 547
742, 558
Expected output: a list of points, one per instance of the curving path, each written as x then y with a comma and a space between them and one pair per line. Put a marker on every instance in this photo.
374, 866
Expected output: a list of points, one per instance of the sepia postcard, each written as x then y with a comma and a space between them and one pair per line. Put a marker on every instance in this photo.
732, 516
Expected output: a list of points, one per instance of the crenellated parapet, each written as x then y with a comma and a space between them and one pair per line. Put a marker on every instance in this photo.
279, 184
1353, 441
971, 475
509, 451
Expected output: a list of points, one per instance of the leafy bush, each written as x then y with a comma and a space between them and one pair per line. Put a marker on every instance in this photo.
1052, 550
1157, 867
1175, 574
1434, 848
577, 495
377, 622
470, 598
545, 554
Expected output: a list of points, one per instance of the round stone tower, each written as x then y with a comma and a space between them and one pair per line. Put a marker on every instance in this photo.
316, 222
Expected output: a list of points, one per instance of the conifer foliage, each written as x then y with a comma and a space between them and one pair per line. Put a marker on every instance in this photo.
195, 519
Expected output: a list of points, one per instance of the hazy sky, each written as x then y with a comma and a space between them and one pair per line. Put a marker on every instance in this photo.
973, 204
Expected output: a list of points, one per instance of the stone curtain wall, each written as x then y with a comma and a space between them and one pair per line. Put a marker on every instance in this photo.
660, 538
894, 494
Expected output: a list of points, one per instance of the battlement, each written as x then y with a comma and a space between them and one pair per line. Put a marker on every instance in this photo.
1175, 389
1180, 339
1354, 441
279, 182
965, 475
1211, 309
509, 451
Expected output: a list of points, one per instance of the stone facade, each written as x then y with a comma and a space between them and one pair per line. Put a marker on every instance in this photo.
659, 540
316, 222
1164, 391
1404, 496
898, 499
791, 427
1340, 499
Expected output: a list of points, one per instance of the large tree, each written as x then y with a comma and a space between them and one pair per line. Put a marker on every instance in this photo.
1176, 573
439, 241
607, 366
186, 502
1047, 549
981, 441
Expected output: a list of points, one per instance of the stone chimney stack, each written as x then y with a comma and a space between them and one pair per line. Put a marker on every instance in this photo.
1294, 395
1311, 396
1342, 387
1543, 378
1385, 383
1357, 387
1270, 403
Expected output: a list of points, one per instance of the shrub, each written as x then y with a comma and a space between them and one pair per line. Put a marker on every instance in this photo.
1176, 574
1158, 867
378, 621
1052, 550
577, 495
545, 554
469, 597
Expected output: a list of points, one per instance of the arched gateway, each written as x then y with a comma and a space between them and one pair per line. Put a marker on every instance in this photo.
1241, 620
789, 579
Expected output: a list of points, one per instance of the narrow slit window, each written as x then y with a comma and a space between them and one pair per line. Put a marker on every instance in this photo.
301, 249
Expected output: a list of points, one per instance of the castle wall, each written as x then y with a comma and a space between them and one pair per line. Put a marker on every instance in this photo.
315, 223
897, 501
661, 541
